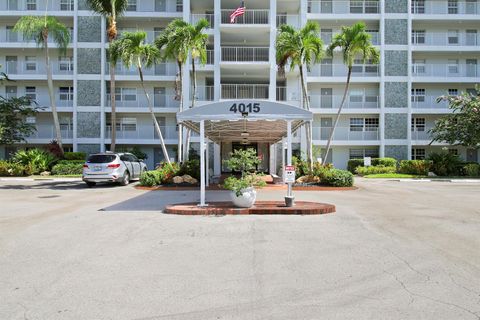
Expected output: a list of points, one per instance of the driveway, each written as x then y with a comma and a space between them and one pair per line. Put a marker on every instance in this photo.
393, 250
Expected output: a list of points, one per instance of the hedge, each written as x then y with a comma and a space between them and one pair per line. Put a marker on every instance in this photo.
386, 162
365, 171
71, 162
75, 156
417, 167
67, 169
338, 178
11, 169
471, 170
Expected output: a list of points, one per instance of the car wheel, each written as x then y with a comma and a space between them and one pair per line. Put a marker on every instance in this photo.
91, 184
126, 179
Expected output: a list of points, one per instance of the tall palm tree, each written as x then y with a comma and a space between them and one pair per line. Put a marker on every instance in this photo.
132, 50
40, 28
300, 48
354, 43
111, 10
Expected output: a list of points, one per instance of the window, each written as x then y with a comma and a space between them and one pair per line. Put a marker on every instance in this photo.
418, 154
129, 94
418, 66
66, 123
452, 92
31, 4
453, 151
373, 36
30, 63
418, 95
363, 124
356, 95
356, 6
371, 6
371, 124
127, 124
418, 124
65, 63
452, 36
179, 5
132, 5
31, 120
66, 5
418, 36
452, 66
66, 93
418, 6
31, 92
361, 153
10, 92
326, 35
452, 6
356, 124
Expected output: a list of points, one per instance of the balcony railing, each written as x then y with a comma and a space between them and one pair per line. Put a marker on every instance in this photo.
340, 70
154, 6
22, 5
445, 70
205, 93
140, 101
445, 7
353, 102
427, 102
161, 69
47, 131
327, 37
250, 17
421, 134
446, 39
290, 19
210, 17
245, 91
346, 7
19, 68
345, 134
143, 132
245, 54
210, 58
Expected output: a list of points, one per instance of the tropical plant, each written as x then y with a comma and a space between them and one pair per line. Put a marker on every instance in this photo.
40, 29
461, 127
416, 167
445, 163
300, 48
8, 168
132, 50
35, 160
13, 112
245, 161
354, 43
111, 10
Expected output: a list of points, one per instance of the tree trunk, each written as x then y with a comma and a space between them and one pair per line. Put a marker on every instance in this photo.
308, 126
338, 113
56, 123
113, 114
152, 113
194, 96
180, 126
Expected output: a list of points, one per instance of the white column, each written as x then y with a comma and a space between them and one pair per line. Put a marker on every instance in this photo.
272, 94
289, 142
207, 169
202, 163
217, 160
273, 159
103, 88
217, 5
283, 157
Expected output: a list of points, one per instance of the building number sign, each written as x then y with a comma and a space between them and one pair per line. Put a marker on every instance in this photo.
248, 107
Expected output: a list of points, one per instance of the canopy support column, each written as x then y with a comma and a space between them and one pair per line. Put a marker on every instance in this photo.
202, 163
207, 163
289, 152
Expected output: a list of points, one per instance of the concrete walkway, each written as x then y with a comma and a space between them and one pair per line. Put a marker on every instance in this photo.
392, 251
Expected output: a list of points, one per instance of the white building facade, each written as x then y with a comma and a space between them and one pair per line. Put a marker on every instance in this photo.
428, 48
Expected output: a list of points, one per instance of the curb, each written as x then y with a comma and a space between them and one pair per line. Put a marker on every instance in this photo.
42, 179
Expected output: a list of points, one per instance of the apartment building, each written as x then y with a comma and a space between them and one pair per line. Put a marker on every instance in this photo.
428, 48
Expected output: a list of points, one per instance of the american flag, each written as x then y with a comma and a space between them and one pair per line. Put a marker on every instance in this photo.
240, 11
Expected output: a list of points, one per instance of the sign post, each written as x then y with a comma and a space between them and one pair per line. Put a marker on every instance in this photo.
289, 179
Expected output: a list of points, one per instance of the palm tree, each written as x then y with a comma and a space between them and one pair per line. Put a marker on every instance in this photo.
354, 43
111, 10
132, 50
300, 48
40, 28
178, 41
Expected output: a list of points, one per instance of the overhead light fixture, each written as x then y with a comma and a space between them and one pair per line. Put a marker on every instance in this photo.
245, 134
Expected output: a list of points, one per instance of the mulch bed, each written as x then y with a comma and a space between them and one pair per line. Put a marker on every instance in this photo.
267, 188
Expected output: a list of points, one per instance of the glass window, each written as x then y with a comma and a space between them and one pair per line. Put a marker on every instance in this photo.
31, 4
132, 5
452, 92
356, 6
356, 124
371, 124
65, 63
452, 6
326, 35
31, 92
452, 66
418, 6
453, 151
356, 153
418, 66
356, 95
66, 5
179, 5
372, 153
418, 154
371, 6
418, 95
31, 120
66, 93
129, 94
373, 36
101, 158
128, 124
30, 63
452, 36
418, 124
418, 37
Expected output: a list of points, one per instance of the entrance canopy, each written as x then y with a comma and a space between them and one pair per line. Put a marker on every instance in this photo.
248, 120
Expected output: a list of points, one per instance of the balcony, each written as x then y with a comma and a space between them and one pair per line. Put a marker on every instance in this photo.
15, 68
161, 69
210, 58
143, 132
290, 19
250, 17
140, 101
343, 7
340, 70
47, 132
439, 70
245, 54
345, 134
327, 36
421, 134
154, 6
428, 102
318, 101
245, 91
446, 39
205, 93
445, 7
22, 5
210, 17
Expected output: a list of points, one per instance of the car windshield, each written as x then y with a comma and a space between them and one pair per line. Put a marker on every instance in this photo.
101, 158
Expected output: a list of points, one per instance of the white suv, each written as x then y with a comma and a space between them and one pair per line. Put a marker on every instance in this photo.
112, 167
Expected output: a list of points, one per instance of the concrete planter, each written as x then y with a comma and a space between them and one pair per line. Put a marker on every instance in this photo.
246, 200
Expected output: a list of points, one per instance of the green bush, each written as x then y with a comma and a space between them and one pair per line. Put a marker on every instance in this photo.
75, 156
162, 175
302, 167
416, 167
11, 169
71, 161
471, 170
365, 171
190, 167
386, 162
150, 178
338, 178
35, 160
320, 170
67, 169
445, 163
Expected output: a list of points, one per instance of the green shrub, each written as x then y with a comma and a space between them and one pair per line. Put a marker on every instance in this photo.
11, 169
71, 161
150, 178
353, 164
67, 169
302, 167
75, 156
338, 178
416, 167
162, 175
386, 162
445, 163
320, 170
471, 170
190, 167
35, 160
365, 171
